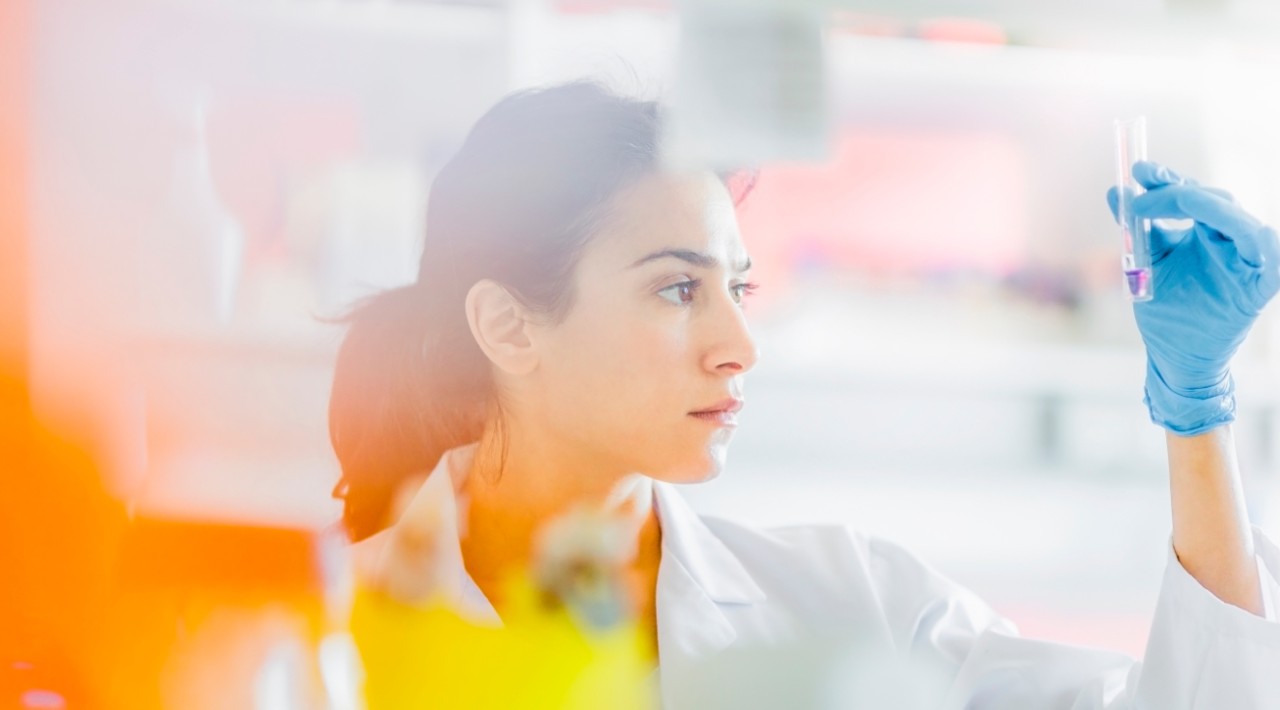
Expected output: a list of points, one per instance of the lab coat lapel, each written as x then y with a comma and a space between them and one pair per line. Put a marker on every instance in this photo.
701, 586
701, 582
467, 598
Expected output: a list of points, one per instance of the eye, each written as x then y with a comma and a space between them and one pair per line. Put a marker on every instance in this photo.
742, 290
683, 291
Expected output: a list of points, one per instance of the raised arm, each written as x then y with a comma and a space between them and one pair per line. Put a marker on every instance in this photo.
1211, 533
1212, 280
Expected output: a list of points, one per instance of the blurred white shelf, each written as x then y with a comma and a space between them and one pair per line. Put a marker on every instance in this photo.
1078, 372
261, 345
870, 382
214, 485
427, 21
1177, 18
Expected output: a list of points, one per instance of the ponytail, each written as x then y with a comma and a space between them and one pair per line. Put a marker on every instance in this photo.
407, 386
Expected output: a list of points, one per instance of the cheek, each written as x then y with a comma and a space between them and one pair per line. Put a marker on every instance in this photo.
632, 358
623, 386
618, 364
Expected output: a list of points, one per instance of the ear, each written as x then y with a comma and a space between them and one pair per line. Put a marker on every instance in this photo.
499, 325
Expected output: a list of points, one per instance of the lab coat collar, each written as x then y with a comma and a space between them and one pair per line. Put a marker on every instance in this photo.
709, 563
702, 587
696, 574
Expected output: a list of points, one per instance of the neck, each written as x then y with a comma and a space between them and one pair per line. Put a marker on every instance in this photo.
509, 501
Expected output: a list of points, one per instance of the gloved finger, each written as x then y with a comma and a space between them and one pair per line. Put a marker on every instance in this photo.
1152, 175
1258, 283
1207, 208
1162, 240
1113, 202
1113, 199
1269, 247
1220, 252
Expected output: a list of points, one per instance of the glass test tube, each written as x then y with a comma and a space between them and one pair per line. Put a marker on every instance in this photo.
1131, 146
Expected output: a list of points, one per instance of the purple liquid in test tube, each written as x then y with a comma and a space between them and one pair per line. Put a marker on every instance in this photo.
1137, 280
1131, 146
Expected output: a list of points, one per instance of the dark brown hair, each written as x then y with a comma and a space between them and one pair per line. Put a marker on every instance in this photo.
516, 204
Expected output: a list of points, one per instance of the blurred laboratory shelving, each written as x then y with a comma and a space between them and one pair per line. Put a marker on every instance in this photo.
1054, 404
978, 430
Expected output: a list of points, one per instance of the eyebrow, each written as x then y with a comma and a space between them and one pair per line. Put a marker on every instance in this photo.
696, 258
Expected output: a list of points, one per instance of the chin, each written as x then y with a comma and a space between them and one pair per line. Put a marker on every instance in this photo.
704, 465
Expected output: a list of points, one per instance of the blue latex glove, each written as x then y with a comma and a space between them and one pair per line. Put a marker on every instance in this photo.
1211, 281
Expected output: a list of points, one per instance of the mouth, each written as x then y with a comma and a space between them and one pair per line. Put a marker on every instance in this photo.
723, 413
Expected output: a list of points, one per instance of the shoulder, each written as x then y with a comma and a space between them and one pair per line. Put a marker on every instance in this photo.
840, 567
833, 550
829, 554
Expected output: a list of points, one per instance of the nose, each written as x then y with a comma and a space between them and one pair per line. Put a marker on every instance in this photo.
732, 350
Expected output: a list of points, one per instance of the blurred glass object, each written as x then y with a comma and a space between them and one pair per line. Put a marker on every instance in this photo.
217, 615
750, 84
359, 227
43, 699
567, 638
193, 249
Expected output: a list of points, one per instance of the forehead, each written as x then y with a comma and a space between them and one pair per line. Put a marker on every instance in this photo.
671, 210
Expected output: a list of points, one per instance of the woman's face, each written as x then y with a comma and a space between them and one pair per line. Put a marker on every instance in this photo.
656, 332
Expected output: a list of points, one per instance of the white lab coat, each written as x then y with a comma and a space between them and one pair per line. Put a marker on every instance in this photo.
767, 618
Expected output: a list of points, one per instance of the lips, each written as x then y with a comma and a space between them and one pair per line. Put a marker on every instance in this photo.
729, 406
722, 414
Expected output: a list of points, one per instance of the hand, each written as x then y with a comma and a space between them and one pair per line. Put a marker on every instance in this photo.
1211, 282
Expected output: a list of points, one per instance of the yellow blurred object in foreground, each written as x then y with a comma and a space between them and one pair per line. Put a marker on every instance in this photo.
429, 656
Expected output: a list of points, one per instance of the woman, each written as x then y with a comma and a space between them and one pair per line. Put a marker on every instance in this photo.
576, 336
